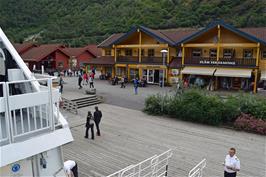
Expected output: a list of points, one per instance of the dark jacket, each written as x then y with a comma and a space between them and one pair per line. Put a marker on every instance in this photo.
89, 122
97, 116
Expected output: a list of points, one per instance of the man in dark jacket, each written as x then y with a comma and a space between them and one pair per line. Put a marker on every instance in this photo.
89, 125
97, 119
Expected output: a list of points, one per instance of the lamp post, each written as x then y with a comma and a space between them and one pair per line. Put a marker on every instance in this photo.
164, 52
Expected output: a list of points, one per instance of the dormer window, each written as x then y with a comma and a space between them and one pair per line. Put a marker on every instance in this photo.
196, 53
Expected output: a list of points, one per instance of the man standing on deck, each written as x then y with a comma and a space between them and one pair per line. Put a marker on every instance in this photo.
97, 119
231, 164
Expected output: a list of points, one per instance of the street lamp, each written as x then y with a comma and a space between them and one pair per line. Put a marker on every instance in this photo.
164, 52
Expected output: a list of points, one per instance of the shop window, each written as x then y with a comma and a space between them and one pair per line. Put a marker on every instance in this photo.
150, 52
120, 71
228, 53
213, 53
196, 53
108, 52
264, 54
128, 52
247, 53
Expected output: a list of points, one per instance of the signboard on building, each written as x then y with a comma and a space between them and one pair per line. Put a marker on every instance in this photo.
208, 62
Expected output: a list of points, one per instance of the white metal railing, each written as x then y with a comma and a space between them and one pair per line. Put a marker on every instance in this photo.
198, 169
27, 113
155, 166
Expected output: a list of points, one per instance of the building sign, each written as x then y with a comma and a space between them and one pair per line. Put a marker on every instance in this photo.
207, 62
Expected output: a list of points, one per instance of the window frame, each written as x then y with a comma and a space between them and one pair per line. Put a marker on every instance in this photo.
231, 52
108, 52
128, 52
210, 53
151, 52
196, 51
245, 50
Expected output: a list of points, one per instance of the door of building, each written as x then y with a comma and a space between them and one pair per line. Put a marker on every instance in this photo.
150, 76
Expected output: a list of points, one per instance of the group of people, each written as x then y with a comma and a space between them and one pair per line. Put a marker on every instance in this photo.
87, 79
231, 165
91, 120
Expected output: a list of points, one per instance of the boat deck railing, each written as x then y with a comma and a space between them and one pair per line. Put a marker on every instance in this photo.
26, 111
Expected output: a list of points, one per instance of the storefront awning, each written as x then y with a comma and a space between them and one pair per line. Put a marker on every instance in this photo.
198, 71
263, 75
221, 72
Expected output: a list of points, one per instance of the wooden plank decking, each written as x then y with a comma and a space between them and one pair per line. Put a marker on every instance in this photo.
130, 136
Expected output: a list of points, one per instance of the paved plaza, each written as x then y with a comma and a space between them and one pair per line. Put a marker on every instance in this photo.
129, 136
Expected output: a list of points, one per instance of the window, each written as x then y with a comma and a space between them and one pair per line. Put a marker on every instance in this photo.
118, 51
264, 54
128, 52
107, 52
247, 53
150, 52
60, 64
142, 52
228, 53
196, 53
213, 53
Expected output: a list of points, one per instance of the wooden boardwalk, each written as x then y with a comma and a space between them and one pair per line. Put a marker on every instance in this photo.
130, 136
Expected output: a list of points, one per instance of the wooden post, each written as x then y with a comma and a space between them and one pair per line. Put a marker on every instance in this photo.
256, 70
168, 56
115, 52
183, 60
218, 43
139, 46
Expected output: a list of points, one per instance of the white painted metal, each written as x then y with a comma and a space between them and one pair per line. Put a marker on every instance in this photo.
198, 169
155, 166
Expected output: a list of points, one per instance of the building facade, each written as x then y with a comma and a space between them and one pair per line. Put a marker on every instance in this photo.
217, 57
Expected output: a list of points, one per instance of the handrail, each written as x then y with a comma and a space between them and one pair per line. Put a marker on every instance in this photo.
197, 170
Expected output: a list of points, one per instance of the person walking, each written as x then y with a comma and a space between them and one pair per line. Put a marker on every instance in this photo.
91, 82
123, 82
97, 119
71, 168
85, 79
79, 81
136, 85
61, 81
231, 164
89, 125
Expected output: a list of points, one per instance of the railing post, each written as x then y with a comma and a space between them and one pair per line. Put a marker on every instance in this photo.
50, 97
8, 116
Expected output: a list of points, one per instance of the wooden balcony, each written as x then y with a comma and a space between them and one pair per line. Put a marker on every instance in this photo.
127, 59
230, 62
144, 59
152, 60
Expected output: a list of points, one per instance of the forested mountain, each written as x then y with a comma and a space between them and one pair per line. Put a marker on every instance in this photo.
78, 22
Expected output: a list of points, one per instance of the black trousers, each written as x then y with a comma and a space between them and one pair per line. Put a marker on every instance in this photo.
226, 174
92, 131
75, 170
91, 85
98, 128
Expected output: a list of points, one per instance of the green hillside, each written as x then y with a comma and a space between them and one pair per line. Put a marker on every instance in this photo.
78, 22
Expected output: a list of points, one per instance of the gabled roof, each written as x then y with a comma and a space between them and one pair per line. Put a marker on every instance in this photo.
40, 52
212, 25
153, 33
108, 42
93, 49
23, 47
73, 51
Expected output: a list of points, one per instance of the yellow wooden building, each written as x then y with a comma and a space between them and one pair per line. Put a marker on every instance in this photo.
218, 56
